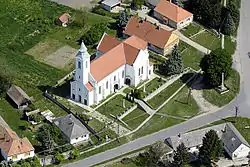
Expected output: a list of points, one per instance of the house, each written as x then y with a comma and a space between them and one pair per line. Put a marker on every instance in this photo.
159, 40
73, 130
117, 63
18, 97
172, 15
233, 143
110, 4
63, 20
14, 148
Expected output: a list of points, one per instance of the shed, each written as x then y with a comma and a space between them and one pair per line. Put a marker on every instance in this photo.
110, 4
20, 99
63, 20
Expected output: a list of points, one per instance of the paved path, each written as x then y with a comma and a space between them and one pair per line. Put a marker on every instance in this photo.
241, 63
192, 43
77, 4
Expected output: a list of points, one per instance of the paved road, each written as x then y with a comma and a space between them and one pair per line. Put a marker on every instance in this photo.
77, 4
242, 63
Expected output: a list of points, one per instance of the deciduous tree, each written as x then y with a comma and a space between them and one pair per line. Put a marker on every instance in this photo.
217, 62
123, 19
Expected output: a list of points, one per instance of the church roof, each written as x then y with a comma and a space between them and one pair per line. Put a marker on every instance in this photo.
124, 53
107, 42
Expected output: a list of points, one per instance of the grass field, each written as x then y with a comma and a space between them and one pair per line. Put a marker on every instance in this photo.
135, 118
191, 30
157, 100
181, 106
152, 85
191, 57
114, 106
233, 83
207, 40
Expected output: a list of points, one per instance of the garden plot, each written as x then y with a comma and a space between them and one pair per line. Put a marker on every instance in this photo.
54, 54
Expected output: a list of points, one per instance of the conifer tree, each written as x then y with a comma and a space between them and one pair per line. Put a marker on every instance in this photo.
181, 156
228, 26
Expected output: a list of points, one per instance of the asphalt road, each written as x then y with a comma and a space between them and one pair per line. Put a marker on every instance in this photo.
242, 64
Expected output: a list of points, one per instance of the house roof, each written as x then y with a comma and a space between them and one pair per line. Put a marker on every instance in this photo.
89, 86
18, 95
124, 53
153, 2
107, 42
232, 139
64, 17
111, 3
70, 126
11, 144
149, 32
228, 134
172, 11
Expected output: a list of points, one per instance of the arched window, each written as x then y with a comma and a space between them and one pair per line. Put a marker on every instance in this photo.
86, 64
107, 85
79, 64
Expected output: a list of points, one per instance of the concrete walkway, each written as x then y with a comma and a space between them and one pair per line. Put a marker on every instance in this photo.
171, 116
145, 107
192, 43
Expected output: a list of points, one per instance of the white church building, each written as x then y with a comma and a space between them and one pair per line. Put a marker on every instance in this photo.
117, 63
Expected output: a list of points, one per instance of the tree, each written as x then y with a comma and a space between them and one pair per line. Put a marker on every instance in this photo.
35, 162
59, 157
181, 156
74, 154
123, 19
217, 62
81, 18
207, 11
228, 26
137, 3
174, 64
93, 35
5, 82
211, 148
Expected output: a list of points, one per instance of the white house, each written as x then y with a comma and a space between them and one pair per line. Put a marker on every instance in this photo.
74, 131
110, 4
233, 142
14, 148
117, 63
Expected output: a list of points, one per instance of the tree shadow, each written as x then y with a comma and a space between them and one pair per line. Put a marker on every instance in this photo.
114, 26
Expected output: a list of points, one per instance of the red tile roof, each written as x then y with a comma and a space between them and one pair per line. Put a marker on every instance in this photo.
172, 11
89, 86
64, 18
147, 32
124, 53
11, 144
107, 42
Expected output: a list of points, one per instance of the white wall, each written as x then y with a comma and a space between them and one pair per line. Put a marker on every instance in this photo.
185, 22
21, 156
80, 139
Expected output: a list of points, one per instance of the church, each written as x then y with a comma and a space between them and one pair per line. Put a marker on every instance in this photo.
117, 63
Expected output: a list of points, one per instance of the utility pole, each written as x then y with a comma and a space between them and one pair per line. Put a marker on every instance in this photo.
236, 113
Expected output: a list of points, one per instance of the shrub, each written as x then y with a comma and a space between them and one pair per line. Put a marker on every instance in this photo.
74, 154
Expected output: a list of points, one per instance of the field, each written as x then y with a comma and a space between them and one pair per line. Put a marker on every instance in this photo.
191, 30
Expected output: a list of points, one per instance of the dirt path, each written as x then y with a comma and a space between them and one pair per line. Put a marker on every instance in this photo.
204, 105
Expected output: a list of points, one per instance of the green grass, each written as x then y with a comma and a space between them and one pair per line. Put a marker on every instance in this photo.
207, 40
229, 45
180, 105
191, 30
152, 85
161, 97
233, 83
135, 118
155, 124
114, 106
191, 57
119, 164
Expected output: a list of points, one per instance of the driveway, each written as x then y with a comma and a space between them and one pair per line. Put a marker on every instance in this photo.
77, 4
242, 64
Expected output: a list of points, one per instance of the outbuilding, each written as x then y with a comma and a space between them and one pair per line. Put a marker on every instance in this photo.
110, 4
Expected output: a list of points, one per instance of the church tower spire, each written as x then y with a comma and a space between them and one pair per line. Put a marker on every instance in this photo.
82, 64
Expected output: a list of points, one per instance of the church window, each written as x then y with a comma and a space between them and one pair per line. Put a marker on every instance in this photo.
73, 96
107, 85
123, 74
80, 98
86, 64
149, 72
114, 78
139, 71
79, 89
142, 70
100, 89
79, 65
79, 77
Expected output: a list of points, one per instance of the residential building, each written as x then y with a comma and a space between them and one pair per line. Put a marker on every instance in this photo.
110, 4
74, 131
233, 143
63, 20
159, 40
117, 63
172, 15
152, 3
14, 148
18, 97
